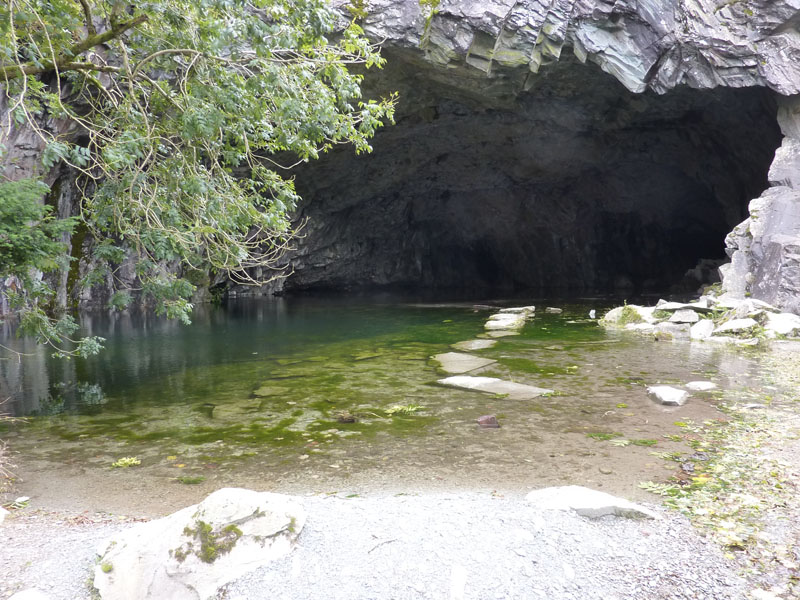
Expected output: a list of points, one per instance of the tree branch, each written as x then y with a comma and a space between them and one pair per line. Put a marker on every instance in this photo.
66, 59
87, 16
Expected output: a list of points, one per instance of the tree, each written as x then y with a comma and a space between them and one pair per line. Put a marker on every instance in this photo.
185, 115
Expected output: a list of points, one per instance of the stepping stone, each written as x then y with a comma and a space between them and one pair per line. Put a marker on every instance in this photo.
700, 386
519, 310
457, 362
474, 344
505, 321
493, 385
668, 395
553, 310
588, 503
501, 333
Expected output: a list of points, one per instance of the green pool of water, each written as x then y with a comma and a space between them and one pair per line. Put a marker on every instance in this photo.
277, 388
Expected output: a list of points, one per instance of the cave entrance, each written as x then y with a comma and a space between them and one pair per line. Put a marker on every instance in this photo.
575, 184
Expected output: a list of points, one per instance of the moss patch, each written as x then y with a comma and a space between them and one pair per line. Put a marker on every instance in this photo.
205, 543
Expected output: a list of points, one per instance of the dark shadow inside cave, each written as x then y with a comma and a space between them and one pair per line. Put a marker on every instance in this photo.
575, 184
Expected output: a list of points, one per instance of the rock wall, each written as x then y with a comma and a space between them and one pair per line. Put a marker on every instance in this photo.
485, 58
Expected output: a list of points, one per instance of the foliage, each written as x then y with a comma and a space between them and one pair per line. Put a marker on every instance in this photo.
187, 114
628, 314
125, 462
430, 9
404, 409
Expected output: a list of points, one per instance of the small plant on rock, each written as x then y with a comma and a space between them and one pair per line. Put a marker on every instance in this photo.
125, 462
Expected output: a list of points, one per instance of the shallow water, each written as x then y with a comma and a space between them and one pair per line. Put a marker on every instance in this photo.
297, 394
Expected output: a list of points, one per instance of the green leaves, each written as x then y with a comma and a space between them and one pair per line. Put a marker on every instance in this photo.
189, 113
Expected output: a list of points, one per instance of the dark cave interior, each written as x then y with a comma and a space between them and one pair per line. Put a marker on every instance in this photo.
574, 184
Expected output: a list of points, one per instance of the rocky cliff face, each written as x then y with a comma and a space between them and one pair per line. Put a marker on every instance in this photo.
562, 143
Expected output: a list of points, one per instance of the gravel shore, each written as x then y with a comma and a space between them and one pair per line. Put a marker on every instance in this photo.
463, 545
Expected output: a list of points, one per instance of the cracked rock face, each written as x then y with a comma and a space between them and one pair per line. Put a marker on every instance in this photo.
567, 143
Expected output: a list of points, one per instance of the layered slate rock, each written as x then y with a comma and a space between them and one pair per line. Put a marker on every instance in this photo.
193, 552
588, 503
493, 385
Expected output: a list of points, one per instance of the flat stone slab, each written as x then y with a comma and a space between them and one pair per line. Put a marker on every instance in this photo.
588, 503
668, 395
458, 362
493, 385
519, 310
735, 326
700, 386
553, 310
700, 306
474, 345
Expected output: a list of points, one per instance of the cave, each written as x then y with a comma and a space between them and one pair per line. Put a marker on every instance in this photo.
560, 182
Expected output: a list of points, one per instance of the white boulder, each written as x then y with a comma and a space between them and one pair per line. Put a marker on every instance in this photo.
193, 552
588, 503
668, 395
505, 321
527, 310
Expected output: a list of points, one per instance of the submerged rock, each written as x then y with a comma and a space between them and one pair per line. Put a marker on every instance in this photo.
457, 362
668, 395
488, 422
190, 554
588, 503
493, 385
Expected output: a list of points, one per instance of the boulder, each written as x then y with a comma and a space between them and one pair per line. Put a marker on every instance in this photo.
493, 385
702, 329
588, 503
736, 326
193, 552
684, 315
783, 324
628, 314
700, 386
458, 362
668, 395
473, 345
